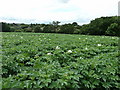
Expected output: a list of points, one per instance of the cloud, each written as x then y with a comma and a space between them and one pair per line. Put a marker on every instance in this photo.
19, 20
64, 1
45, 11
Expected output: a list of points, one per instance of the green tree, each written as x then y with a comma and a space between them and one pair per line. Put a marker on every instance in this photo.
37, 29
55, 26
75, 24
55, 23
5, 27
113, 29
67, 28
99, 26
48, 28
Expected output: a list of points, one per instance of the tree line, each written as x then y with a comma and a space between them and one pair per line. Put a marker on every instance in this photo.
100, 26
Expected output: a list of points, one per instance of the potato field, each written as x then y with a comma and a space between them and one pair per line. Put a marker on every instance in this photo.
49, 60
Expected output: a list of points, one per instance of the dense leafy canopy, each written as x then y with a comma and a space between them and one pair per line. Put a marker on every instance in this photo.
99, 26
44, 60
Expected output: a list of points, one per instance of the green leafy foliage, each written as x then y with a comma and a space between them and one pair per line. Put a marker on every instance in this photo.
5, 27
113, 29
108, 26
38, 60
102, 26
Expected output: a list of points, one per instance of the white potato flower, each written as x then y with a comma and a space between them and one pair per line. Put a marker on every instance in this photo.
81, 58
86, 48
69, 51
99, 45
57, 47
21, 37
49, 53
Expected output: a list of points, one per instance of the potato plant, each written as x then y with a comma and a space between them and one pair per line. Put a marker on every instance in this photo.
44, 60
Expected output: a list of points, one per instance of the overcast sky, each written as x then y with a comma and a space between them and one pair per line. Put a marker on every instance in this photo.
65, 11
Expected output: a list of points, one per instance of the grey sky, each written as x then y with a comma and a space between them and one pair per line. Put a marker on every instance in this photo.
64, 1
65, 11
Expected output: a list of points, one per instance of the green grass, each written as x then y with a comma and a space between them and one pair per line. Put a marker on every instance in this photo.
44, 60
